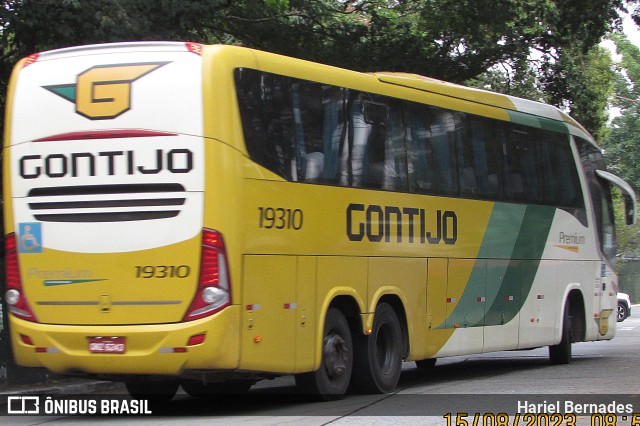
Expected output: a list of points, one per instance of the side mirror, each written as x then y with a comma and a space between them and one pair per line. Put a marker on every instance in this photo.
628, 194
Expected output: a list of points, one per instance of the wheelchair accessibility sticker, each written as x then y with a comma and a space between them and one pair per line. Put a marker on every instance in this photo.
30, 237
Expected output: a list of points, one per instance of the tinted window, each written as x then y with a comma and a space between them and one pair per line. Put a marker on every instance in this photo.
522, 166
311, 132
431, 149
592, 160
562, 186
376, 139
479, 157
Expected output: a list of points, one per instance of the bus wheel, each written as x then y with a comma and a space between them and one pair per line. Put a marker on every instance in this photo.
331, 381
378, 357
230, 387
154, 391
561, 353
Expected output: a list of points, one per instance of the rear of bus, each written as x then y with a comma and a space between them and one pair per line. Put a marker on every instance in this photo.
110, 269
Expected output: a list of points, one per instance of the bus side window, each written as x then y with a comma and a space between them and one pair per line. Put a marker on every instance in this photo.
376, 140
395, 162
430, 150
306, 100
354, 148
479, 159
267, 120
333, 131
376, 116
522, 182
561, 184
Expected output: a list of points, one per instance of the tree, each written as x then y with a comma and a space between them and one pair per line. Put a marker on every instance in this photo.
454, 40
622, 144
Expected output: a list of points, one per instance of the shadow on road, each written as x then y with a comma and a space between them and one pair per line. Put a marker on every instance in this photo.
283, 399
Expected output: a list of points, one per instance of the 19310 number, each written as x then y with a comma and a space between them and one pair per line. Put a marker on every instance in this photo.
163, 271
280, 218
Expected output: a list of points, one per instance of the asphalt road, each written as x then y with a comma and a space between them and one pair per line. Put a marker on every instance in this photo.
504, 382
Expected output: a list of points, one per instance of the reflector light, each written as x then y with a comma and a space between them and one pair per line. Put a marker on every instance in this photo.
47, 350
196, 340
30, 60
194, 48
178, 350
26, 340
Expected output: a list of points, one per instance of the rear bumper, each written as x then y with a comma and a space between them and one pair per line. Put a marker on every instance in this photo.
150, 349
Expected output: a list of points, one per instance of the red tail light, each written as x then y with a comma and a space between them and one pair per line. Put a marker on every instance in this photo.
214, 286
15, 298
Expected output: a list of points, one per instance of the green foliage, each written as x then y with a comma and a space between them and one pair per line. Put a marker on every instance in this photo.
454, 40
567, 68
628, 236
622, 144
582, 83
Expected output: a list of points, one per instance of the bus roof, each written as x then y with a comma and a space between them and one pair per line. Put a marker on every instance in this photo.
520, 110
511, 103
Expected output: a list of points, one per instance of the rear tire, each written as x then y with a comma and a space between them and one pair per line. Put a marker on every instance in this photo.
378, 357
561, 353
331, 380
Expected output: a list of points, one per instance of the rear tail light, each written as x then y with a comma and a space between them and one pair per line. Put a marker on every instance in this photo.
15, 297
214, 286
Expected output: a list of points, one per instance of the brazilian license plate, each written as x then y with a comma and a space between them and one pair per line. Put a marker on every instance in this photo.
107, 345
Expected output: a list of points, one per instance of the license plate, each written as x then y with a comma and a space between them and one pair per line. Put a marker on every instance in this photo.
107, 345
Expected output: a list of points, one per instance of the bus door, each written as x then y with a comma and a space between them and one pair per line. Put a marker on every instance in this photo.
608, 279
599, 184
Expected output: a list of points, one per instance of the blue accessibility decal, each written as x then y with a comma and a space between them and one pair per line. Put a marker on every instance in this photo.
30, 237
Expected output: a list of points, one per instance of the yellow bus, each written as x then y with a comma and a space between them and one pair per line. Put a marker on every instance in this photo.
210, 216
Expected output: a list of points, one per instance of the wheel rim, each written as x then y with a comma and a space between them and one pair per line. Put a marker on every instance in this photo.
335, 356
620, 313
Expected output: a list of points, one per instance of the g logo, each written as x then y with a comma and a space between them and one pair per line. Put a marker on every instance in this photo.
104, 92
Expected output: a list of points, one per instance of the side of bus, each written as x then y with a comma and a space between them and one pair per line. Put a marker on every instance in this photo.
331, 223
398, 218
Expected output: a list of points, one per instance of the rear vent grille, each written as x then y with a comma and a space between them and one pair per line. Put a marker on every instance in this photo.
107, 203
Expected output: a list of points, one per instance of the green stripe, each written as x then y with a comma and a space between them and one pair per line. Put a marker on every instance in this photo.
506, 266
522, 268
498, 243
49, 283
538, 122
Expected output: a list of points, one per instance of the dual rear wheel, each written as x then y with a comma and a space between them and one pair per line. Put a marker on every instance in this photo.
371, 364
